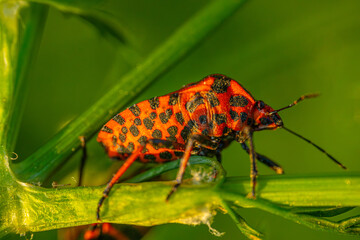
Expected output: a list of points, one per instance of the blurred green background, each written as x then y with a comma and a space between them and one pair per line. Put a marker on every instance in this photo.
278, 50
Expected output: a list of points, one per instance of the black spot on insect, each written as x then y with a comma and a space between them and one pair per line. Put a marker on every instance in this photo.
178, 154
194, 103
213, 100
122, 137
220, 118
160, 143
226, 130
135, 110
153, 115
142, 140
238, 101
171, 139
179, 118
250, 121
265, 121
168, 113
122, 150
149, 124
221, 83
124, 130
217, 76
234, 115
119, 119
163, 118
211, 125
192, 124
205, 132
157, 134
166, 155
243, 116
172, 130
154, 102
173, 99
150, 157
130, 147
260, 105
203, 119
114, 140
134, 130
185, 133
106, 129
137, 121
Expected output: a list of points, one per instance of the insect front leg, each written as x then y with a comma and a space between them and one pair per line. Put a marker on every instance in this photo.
253, 171
265, 160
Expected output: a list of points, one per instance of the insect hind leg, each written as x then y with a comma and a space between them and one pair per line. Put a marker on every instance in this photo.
83, 159
157, 143
130, 160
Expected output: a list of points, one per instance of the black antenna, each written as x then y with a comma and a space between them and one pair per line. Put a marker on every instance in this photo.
322, 150
312, 95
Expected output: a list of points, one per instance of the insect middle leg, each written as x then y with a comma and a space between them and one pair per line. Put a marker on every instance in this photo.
253, 171
265, 160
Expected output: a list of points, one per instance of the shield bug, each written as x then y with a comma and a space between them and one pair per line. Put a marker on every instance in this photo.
201, 118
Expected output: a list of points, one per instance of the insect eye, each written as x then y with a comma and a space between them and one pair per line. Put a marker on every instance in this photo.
260, 105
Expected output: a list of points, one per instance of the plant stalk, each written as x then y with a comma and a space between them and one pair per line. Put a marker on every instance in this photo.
144, 203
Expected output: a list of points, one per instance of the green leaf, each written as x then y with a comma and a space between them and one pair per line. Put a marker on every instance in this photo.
325, 212
90, 10
33, 19
240, 222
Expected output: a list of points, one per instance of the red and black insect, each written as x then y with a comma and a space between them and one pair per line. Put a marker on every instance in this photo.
202, 118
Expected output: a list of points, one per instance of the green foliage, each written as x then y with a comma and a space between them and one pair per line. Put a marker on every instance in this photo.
309, 200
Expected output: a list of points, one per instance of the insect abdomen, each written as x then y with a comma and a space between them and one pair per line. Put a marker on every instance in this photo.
156, 118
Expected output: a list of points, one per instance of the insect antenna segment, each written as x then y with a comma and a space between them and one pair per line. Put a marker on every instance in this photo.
303, 97
315, 145
312, 95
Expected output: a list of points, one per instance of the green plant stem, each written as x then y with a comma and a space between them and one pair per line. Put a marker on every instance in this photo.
312, 190
32, 28
144, 204
8, 40
44, 161
9, 37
